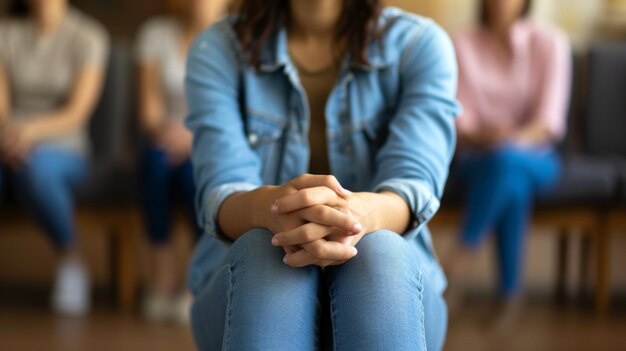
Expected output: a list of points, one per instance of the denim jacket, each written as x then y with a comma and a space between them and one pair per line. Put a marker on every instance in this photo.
390, 125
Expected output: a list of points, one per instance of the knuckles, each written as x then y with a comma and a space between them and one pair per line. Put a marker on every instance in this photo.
308, 233
331, 182
308, 197
317, 251
321, 212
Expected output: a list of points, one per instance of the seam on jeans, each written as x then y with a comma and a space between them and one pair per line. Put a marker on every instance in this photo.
420, 289
228, 309
333, 313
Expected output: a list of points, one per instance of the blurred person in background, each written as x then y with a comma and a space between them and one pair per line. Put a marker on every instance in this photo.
291, 103
52, 62
514, 87
166, 169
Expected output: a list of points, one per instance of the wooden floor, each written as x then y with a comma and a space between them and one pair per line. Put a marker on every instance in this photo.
26, 324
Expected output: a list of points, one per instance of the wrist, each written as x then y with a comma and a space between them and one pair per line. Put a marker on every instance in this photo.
366, 208
30, 131
380, 202
156, 129
261, 200
392, 212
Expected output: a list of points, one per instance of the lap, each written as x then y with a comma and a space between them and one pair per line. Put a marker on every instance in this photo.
254, 254
539, 166
389, 279
252, 282
251, 256
53, 164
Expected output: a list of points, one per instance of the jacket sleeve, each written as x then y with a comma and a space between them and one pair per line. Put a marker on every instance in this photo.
415, 159
223, 160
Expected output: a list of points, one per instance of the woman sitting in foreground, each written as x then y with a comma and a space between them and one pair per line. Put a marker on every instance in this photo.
364, 99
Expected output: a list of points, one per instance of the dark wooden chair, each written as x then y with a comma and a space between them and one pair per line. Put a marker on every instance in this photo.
105, 201
588, 186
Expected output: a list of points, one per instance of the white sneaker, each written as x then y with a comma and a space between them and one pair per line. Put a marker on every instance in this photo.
157, 308
163, 308
182, 308
71, 294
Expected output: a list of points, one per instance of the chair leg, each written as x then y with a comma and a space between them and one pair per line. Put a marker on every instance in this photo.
562, 260
127, 274
602, 267
585, 254
126, 267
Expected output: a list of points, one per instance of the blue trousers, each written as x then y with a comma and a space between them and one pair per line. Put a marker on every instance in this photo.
161, 182
379, 300
500, 187
45, 185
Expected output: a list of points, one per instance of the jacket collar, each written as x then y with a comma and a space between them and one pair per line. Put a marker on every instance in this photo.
275, 55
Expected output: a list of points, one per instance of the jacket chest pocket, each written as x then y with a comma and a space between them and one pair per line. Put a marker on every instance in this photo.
368, 140
265, 137
375, 132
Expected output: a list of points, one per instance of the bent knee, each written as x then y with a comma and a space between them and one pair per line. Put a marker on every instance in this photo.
254, 242
385, 259
383, 239
254, 250
37, 174
385, 246
253, 238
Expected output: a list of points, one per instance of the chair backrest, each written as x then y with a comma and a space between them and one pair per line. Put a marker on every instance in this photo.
605, 122
572, 140
109, 124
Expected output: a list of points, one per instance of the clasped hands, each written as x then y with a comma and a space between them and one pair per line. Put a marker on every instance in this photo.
317, 221
16, 143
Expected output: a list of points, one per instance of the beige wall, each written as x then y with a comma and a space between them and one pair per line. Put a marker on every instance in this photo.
449, 13
578, 18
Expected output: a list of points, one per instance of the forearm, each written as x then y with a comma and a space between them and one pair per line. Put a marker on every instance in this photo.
75, 113
47, 126
4, 99
243, 212
386, 211
4, 114
534, 133
468, 138
151, 108
4, 120
152, 123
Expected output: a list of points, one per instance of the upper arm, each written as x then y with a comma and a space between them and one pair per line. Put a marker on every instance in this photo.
147, 52
91, 47
422, 135
4, 79
90, 58
466, 122
149, 42
85, 92
221, 154
150, 95
555, 84
4, 95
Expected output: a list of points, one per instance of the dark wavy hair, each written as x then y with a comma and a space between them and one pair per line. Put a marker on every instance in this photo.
260, 20
484, 15
18, 8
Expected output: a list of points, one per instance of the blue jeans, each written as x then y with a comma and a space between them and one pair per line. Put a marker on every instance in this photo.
500, 187
160, 183
45, 185
379, 300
